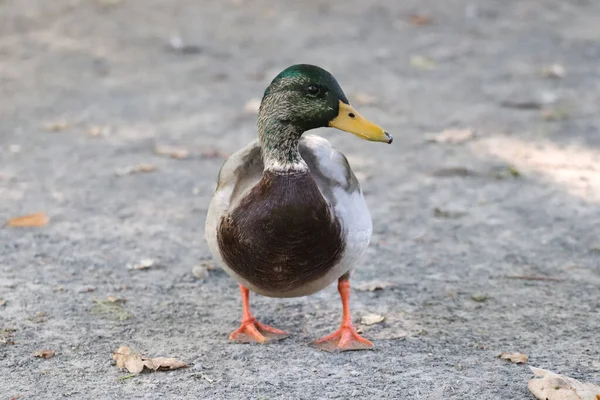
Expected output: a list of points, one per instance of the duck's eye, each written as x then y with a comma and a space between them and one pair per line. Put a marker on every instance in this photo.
313, 90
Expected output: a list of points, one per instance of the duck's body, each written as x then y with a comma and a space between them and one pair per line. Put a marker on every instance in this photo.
288, 217
303, 231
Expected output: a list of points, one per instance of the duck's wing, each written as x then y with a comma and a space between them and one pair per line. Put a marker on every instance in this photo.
340, 188
239, 173
328, 166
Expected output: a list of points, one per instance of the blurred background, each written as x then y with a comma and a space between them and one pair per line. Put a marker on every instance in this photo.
115, 116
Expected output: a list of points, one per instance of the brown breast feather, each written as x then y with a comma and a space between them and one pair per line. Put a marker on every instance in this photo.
281, 235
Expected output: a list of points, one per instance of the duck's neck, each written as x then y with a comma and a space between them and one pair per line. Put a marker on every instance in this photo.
280, 144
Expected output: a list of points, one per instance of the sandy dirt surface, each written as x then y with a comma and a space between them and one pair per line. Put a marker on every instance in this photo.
89, 88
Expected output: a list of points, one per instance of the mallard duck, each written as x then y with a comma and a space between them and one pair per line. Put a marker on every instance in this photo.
288, 217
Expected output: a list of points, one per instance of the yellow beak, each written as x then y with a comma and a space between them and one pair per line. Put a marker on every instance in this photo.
349, 120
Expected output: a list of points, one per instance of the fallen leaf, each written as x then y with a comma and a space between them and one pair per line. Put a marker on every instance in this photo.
371, 319
163, 363
14, 148
56, 126
419, 19
422, 62
252, 106
556, 71
451, 136
516, 358
113, 309
372, 286
178, 153
126, 359
29, 221
2, 302
145, 263
44, 354
547, 385
136, 169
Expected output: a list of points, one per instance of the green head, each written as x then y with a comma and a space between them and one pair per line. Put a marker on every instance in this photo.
304, 97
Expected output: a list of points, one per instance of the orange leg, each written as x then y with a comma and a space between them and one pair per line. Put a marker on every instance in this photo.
252, 331
346, 337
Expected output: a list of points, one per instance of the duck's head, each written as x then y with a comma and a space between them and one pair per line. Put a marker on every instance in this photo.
307, 97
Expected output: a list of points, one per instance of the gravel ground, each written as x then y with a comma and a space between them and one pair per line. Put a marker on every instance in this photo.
89, 88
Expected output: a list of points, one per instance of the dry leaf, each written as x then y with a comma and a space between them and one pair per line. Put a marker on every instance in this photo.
422, 62
145, 263
451, 136
27, 221
14, 148
136, 169
127, 359
419, 19
134, 363
44, 353
517, 358
178, 153
163, 363
374, 285
56, 126
2, 302
252, 106
546, 385
371, 319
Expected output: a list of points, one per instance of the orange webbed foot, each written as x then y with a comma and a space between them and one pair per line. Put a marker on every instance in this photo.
344, 339
252, 331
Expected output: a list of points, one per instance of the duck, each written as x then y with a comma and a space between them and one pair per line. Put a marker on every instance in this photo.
288, 217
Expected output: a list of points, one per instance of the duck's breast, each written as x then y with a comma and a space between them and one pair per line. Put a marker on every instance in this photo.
282, 237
